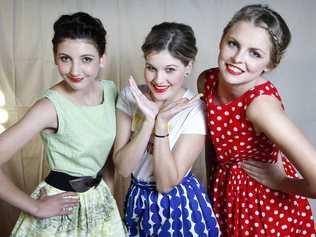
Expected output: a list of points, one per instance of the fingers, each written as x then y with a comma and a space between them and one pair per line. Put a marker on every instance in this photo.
43, 193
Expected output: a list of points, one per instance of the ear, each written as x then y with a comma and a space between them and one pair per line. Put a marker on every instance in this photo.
189, 67
268, 68
102, 60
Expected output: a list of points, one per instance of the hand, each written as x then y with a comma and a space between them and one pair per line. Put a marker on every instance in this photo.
167, 111
270, 175
148, 107
55, 205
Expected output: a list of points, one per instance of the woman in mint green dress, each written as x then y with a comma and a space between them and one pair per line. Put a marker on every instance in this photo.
76, 118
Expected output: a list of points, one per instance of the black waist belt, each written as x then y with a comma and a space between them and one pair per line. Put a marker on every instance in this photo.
71, 183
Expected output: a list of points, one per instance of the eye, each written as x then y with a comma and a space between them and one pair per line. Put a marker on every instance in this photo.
64, 58
170, 69
87, 59
255, 54
232, 43
150, 68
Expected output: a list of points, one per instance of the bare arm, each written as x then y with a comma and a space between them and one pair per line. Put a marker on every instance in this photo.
128, 153
41, 116
171, 166
281, 131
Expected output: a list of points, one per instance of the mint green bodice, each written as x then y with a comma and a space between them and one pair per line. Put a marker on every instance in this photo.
85, 134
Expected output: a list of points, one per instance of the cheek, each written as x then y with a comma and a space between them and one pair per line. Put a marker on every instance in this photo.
149, 76
256, 67
92, 70
177, 80
63, 68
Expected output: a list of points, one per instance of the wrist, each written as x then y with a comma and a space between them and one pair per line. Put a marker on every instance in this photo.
149, 124
161, 128
34, 208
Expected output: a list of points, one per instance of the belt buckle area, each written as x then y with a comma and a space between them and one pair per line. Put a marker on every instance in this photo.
82, 184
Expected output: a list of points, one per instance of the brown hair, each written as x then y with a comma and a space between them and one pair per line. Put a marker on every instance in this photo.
264, 17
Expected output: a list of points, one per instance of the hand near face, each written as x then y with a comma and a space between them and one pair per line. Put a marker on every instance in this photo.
149, 108
167, 111
270, 175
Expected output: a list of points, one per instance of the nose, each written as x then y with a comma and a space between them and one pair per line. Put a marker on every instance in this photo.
159, 77
75, 68
238, 57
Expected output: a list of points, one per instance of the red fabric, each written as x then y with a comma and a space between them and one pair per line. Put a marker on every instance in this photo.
243, 206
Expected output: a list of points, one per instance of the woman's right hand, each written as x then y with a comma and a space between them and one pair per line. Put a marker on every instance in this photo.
55, 205
149, 108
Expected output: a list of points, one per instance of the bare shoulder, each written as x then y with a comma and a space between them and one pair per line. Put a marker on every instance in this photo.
42, 113
263, 109
201, 81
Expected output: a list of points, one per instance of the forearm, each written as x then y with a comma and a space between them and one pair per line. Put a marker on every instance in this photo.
128, 157
297, 186
11, 194
165, 169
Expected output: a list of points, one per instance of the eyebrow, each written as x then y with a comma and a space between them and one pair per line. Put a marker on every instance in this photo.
84, 55
252, 48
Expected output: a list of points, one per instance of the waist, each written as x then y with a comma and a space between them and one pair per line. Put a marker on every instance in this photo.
71, 183
151, 186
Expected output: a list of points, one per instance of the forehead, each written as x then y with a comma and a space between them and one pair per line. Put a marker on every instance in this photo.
162, 58
251, 35
78, 46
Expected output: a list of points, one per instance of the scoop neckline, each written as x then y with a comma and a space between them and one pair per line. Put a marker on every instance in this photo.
81, 106
236, 100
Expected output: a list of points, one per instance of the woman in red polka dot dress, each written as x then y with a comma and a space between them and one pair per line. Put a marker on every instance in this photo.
255, 188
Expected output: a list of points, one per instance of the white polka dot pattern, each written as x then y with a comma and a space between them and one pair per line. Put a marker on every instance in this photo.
243, 206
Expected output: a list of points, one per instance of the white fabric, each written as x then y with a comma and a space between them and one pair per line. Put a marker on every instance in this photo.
188, 121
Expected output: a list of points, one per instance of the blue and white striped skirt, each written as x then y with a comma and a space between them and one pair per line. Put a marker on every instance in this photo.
184, 211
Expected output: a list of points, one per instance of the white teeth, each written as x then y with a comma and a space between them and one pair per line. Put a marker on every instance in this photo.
235, 69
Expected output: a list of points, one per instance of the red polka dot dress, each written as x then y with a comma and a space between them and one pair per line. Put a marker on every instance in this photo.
243, 206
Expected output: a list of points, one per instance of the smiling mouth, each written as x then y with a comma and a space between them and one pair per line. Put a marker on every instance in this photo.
160, 89
75, 79
231, 69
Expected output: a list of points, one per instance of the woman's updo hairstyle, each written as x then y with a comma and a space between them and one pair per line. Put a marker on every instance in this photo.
80, 25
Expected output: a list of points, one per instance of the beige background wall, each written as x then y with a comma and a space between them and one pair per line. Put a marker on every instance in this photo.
27, 68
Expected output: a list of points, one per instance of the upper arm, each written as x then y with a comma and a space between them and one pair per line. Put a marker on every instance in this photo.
268, 117
187, 150
42, 115
123, 130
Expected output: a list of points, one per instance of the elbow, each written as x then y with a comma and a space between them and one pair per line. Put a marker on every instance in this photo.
164, 189
124, 173
168, 186
121, 169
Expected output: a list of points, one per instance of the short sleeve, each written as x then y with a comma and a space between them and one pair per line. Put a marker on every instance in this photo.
125, 101
195, 123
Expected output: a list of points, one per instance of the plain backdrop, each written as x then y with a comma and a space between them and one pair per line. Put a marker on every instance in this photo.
27, 68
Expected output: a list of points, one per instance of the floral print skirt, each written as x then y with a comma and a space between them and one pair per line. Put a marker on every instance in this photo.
96, 215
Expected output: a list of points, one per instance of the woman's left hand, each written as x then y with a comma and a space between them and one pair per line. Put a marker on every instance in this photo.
167, 111
268, 174
149, 108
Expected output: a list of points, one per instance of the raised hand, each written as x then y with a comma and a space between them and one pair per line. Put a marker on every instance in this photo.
148, 107
167, 111
56, 205
270, 175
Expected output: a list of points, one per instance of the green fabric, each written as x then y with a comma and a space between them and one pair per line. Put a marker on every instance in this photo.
96, 216
85, 134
